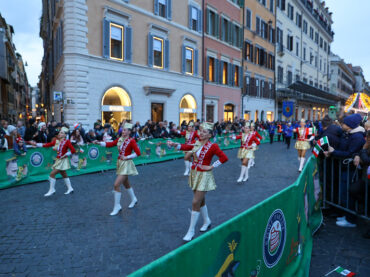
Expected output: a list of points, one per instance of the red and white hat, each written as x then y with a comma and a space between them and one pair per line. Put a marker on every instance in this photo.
19, 139
76, 126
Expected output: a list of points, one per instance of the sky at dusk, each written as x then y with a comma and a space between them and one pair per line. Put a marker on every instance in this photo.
351, 27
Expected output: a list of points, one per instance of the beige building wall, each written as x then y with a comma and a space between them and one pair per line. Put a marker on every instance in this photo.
141, 18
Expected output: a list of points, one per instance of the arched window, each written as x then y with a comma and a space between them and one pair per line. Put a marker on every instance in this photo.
116, 106
188, 108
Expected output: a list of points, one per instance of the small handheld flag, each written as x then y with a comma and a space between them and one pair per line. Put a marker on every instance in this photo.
323, 141
316, 150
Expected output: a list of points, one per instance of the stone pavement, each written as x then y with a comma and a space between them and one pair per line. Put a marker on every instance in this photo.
75, 236
335, 246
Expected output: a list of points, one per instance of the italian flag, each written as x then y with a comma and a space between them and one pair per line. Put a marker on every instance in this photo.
323, 141
316, 150
341, 271
312, 131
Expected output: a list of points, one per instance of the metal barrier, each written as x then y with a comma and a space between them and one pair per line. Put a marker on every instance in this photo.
337, 189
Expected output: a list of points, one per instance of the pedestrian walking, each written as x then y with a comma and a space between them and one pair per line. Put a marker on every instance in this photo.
64, 149
272, 128
125, 166
288, 133
201, 178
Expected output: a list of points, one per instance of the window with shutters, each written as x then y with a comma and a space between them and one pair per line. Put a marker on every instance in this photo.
248, 51
311, 33
257, 87
290, 77
290, 42
162, 8
272, 35
258, 25
325, 46
280, 75
248, 18
305, 27
247, 85
194, 19
211, 70
317, 37
236, 76
298, 20
116, 42
297, 49
189, 60
212, 23
280, 4
224, 29
272, 6
257, 57
225, 73
290, 12
158, 52
321, 42
304, 53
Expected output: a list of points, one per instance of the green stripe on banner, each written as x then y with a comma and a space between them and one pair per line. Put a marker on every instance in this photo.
273, 238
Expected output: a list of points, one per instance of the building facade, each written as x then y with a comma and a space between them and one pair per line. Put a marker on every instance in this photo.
259, 60
14, 87
303, 38
342, 79
361, 84
223, 41
114, 60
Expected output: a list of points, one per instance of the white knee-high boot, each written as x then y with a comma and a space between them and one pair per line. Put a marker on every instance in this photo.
206, 219
69, 186
246, 174
52, 187
193, 221
117, 205
133, 198
242, 172
301, 165
187, 168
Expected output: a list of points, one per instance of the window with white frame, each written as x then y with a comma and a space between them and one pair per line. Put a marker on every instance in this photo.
189, 60
116, 41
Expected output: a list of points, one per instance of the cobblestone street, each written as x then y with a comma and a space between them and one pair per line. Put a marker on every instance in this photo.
75, 236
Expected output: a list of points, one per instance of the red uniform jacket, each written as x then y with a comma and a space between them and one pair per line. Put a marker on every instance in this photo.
190, 137
63, 147
258, 136
206, 154
251, 138
305, 134
126, 148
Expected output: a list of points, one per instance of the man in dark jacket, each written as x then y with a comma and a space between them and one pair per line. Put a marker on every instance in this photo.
351, 143
332, 131
31, 131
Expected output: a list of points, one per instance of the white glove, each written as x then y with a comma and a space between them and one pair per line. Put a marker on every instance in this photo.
132, 156
102, 143
216, 164
38, 144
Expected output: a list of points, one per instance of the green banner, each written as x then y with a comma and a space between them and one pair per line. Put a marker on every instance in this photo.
273, 238
36, 165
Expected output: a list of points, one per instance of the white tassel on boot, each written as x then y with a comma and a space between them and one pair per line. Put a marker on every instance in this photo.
206, 220
246, 175
301, 165
133, 198
187, 168
69, 186
117, 206
242, 172
52, 187
193, 221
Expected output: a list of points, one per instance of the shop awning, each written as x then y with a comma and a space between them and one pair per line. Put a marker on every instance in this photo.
310, 90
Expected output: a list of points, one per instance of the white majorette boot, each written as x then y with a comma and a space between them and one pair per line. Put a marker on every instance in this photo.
187, 168
246, 175
242, 172
301, 164
52, 187
117, 206
69, 186
206, 220
193, 221
133, 198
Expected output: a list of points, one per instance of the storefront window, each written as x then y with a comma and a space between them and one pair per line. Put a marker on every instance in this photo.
188, 108
229, 112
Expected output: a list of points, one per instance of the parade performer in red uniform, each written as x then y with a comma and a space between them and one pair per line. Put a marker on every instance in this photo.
190, 138
201, 177
249, 142
61, 164
125, 166
259, 137
302, 144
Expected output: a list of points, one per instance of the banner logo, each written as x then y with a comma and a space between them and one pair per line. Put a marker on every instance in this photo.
36, 159
288, 108
274, 238
93, 153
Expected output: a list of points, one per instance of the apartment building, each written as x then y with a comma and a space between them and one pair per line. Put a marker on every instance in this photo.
223, 74
259, 60
303, 41
342, 79
119, 59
